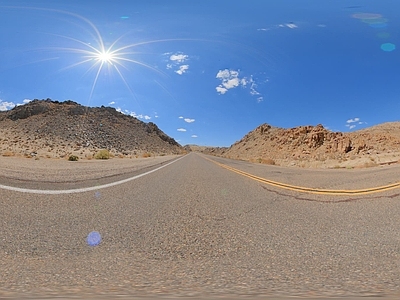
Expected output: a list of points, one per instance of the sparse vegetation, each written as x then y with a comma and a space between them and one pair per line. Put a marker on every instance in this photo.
146, 154
73, 158
8, 153
267, 161
102, 154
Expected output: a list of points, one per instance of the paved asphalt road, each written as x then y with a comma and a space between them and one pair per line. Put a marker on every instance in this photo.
195, 229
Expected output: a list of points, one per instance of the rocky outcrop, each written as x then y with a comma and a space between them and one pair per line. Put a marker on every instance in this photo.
309, 143
51, 124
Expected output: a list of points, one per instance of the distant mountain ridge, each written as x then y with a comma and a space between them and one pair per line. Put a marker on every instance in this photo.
60, 128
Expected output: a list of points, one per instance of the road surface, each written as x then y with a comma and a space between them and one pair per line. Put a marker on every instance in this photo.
194, 228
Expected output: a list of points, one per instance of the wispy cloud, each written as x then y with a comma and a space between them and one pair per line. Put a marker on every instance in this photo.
187, 120
175, 62
180, 117
111, 103
181, 129
182, 69
353, 120
194, 136
231, 79
133, 114
179, 57
289, 25
352, 123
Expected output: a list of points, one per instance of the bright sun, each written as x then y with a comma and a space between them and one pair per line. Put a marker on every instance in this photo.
105, 57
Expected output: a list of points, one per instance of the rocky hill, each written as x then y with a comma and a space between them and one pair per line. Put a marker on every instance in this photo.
315, 146
57, 129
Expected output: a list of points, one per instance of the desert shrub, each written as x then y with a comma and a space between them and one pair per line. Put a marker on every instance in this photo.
146, 154
8, 153
73, 158
267, 161
102, 154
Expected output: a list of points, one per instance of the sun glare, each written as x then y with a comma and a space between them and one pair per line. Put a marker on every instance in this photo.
105, 57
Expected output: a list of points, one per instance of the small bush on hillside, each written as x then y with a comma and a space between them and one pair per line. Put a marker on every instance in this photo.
102, 154
267, 161
146, 154
73, 158
8, 153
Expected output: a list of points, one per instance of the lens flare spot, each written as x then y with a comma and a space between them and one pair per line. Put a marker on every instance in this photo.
378, 25
388, 47
375, 21
383, 35
365, 16
93, 238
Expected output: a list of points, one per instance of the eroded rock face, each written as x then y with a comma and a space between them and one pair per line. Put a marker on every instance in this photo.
306, 143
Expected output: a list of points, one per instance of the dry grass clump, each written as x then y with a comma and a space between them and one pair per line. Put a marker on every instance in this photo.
8, 153
102, 154
265, 161
146, 154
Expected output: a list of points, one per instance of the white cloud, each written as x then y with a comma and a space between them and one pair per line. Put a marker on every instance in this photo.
221, 90
229, 80
253, 87
182, 69
176, 60
180, 117
6, 105
189, 120
260, 99
352, 123
291, 25
353, 120
194, 136
181, 129
111, 103
179, 57
132, 114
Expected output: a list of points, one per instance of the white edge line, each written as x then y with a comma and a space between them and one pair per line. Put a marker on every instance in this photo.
82, 190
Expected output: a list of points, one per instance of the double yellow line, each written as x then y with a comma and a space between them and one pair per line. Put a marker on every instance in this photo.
310, 190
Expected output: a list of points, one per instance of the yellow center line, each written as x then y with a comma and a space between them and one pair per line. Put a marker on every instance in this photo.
309, 189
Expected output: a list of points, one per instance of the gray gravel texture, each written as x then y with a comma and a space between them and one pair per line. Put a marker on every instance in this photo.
194, 229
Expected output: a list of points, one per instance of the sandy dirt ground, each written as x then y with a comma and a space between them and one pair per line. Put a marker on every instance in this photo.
62, 170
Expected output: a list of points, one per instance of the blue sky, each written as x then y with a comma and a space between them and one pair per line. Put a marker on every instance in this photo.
207, 72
